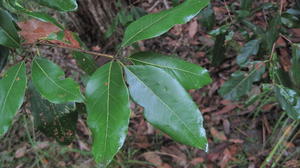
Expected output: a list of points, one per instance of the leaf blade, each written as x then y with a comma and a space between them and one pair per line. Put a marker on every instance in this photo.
61, 5
12, 88
160, 95
108, 111
54, 120
189, 75
153, 25
240, 83
8, 32
58, 90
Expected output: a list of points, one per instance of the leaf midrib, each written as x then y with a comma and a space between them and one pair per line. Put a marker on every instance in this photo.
53, 81
10, 37
195, 137
243, 80
10, 88
107, 105
166, 67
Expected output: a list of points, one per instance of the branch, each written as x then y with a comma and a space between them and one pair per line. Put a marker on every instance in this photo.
78, 49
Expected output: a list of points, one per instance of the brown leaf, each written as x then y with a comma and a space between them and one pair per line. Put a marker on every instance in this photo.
32, 30
196, 161
69, 41
218, 135
21, 152
193, 28
153, 157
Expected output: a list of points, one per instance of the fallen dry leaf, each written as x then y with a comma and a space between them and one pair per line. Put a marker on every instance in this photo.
217, 134
153, 157
21, 152
32, 30
193, 28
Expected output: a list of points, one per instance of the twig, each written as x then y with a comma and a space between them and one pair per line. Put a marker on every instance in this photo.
228, 11
166, 4
78, 49
286, 38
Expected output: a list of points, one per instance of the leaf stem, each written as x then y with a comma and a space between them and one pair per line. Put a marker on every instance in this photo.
79, 50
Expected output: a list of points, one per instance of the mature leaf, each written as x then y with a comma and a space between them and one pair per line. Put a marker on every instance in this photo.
12, 89
250, 48
85, 61
290, 21
33, 30
208, 19
108, 111
37, 15
48, 78
154, 25
189, 75
4, 52
240, 83
167, 104
272, 32
61, 5
289, 101
8, 31
295, 69
218, 52
54, 120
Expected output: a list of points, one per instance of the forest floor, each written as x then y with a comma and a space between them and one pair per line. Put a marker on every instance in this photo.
238, 135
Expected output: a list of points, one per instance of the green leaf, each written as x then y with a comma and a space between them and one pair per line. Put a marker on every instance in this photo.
8, 31
207, 19
189, 75
250, 48
44, 18
85, 61
295, 68
272, 32
61, 5
218, 52
246, 4
54, 120
4, 52
48, 78
167, 104
240, 83
12, 89
289, 101
37, 15
108, 111
153, 25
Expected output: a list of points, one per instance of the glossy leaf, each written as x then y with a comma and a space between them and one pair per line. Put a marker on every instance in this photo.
48, 78
153, 25
167, 105
61, 5
295, 68
85, 61
240, 83
37, 15
12, 89
108, 111
54, 120
189, 75
289, 101
4, 52
250, 48
8, 31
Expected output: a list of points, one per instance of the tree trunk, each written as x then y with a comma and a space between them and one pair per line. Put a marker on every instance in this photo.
92, 19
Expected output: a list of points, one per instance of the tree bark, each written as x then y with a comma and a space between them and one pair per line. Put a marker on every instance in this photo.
92, 19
